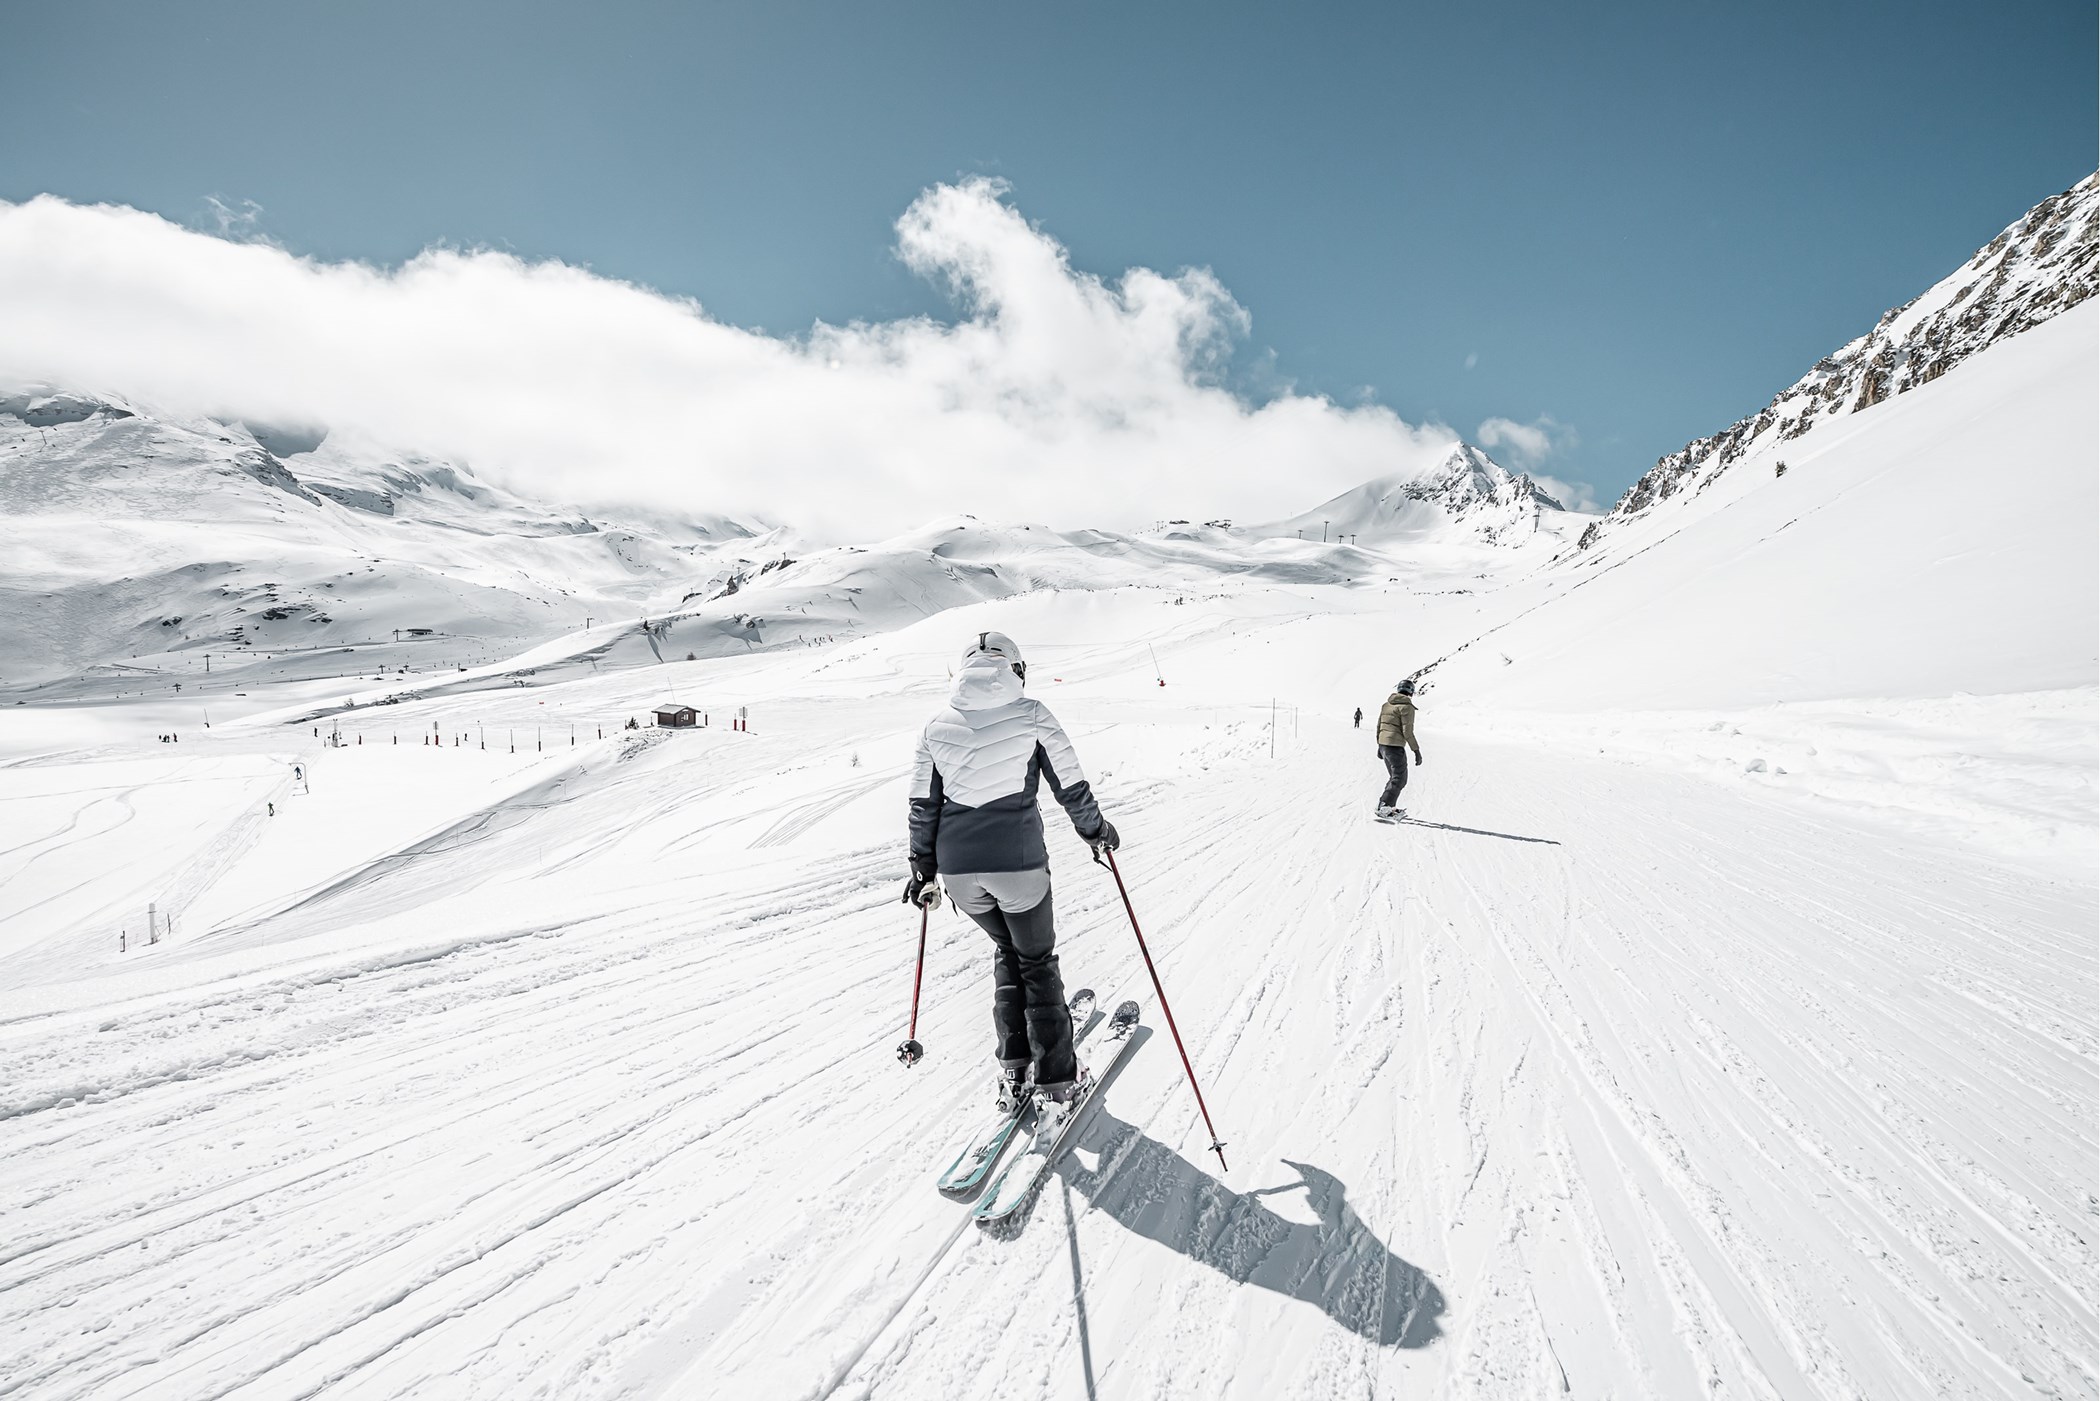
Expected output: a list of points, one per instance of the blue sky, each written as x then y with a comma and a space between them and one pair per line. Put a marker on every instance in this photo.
1636, 220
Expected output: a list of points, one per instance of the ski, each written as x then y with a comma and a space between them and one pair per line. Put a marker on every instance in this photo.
1013, 1187
981, 1152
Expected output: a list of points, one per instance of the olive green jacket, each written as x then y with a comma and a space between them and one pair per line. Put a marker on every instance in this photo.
1396, 722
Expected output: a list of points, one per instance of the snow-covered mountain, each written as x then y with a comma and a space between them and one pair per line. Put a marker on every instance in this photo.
1469, 495
1816, 551
2041, 265
1467, 516
133, 536
143, 541
1873, 568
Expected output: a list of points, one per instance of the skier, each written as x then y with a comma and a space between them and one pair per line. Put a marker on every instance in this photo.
974, 821
1359, 718
1396, 735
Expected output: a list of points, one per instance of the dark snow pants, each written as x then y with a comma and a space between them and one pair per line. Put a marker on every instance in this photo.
1029, 1015
1395, 756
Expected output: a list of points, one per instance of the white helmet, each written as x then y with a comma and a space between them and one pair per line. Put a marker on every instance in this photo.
997, 644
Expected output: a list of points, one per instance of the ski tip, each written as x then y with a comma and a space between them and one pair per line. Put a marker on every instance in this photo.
1127, 1014
1081, 1001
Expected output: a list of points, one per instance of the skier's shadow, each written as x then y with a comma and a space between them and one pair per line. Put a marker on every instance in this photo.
1336, 1263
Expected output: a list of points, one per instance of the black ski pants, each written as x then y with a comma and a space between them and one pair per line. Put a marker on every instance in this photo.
1395, 756
1028, 993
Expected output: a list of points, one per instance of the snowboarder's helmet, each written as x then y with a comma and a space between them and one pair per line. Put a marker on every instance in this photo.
997, 644
1406, 686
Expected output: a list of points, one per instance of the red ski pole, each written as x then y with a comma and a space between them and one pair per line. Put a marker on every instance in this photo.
1216, 1146
911, 1050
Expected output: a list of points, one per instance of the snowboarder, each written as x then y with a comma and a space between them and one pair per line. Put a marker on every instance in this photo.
975, 823
1396, 735
1359, 718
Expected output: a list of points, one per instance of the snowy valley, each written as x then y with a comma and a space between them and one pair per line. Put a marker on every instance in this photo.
1721, 1021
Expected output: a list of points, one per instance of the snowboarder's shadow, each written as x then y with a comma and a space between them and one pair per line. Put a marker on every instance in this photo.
1474, 831
1336, 1263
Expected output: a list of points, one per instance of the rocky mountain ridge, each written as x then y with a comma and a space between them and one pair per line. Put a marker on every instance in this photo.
2042, 264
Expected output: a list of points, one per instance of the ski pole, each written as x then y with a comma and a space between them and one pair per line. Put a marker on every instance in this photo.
1216, 1146
911, 1050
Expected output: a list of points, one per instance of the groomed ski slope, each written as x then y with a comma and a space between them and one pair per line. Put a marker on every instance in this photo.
1601, 1071
1743, 1049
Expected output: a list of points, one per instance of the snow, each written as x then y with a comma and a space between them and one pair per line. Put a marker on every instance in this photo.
275, 570
1699, 1082
1721, 1022
1979, 499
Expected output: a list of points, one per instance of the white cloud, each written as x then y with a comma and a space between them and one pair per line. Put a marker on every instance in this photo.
1055, 395
1526, 446
1576, 496
241, 220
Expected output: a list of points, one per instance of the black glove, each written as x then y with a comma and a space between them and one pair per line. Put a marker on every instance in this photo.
1418, 758
1105, 838
920, 888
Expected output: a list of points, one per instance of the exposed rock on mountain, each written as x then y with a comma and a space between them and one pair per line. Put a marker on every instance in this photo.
2042, 264
41, 407
131, 534
1470, 496
282, 544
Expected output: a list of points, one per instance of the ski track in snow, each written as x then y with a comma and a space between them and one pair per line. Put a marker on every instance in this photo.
1721, 1023
1698, 1090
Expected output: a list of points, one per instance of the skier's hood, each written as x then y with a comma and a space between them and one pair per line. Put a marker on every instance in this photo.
986, 681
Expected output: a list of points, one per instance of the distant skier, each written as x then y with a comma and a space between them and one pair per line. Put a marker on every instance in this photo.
1359, 718
974, 821
1396, 735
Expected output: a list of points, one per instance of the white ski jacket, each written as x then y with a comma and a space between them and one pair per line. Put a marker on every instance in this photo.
973, 787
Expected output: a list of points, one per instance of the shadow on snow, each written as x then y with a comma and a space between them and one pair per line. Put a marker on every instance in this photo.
1472, 831
1335, 1263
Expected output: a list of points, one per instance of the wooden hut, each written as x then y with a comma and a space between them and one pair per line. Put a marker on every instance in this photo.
676, 715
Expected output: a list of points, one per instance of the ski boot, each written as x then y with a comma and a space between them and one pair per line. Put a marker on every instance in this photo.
1056, 1103
1014, 1089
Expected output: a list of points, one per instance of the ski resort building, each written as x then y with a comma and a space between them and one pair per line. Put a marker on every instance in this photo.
674, 715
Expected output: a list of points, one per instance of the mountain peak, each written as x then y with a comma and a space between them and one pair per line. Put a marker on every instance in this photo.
1469, 477
1468, 496
2043, 263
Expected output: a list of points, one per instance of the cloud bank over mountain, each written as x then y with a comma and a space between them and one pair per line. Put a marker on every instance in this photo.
1052, 395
